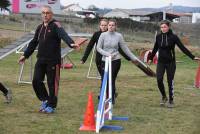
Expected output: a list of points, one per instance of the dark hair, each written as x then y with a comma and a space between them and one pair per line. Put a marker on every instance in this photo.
113, 20
167, 22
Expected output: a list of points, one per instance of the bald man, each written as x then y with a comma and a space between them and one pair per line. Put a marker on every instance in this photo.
47, 37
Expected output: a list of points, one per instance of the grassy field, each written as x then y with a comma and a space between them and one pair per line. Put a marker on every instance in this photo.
138, 99
138, 94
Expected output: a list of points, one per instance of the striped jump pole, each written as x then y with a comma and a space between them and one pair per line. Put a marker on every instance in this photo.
105, 107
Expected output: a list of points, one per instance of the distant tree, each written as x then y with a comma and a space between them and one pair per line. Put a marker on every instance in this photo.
4, 4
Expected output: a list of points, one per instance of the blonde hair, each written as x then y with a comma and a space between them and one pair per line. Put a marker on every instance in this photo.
106, 20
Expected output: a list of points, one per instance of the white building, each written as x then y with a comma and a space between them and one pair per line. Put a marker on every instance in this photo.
78, 11
128, 13
196, 18
72, 8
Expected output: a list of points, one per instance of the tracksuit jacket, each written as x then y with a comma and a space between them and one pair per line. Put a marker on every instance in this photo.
165, 45
48, 39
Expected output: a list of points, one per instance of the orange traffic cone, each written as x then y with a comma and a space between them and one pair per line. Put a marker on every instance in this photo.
89, 117
197, 78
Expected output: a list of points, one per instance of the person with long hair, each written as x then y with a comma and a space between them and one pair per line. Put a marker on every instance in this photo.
165, 45
103, 27
108, 45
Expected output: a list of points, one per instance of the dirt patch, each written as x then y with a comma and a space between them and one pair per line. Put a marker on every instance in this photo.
11, 34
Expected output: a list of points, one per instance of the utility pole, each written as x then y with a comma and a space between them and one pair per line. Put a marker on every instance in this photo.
169, 8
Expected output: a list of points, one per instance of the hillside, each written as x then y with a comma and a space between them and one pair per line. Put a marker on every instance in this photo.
177, 9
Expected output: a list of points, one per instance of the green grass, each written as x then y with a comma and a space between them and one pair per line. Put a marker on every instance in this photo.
138, 99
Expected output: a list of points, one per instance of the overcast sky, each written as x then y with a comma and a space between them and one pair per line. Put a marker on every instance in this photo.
131, 4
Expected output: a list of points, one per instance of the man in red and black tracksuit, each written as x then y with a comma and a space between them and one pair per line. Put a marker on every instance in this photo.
47, 37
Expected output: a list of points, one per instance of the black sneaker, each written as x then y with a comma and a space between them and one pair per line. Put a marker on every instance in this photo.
163, 101
170, 104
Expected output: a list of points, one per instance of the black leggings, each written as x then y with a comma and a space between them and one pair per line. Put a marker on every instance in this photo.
98, 64
3, 89
170, 70
116, 64
52, 71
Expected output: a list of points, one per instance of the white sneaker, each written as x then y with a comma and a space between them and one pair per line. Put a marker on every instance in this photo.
170, 104
163, 101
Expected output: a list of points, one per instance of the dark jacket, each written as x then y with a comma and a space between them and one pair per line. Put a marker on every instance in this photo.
93, 41
48, 39
165, 45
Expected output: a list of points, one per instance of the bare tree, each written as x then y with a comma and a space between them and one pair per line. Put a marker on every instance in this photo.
4, 4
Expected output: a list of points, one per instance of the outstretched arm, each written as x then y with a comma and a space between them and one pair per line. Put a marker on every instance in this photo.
89, 47
123, 54
183, 48
64, 36
33, 44
126, 50
155, 49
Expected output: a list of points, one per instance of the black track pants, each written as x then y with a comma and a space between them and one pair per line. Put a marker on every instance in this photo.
52, 72
170, 69
3, 89
116, 64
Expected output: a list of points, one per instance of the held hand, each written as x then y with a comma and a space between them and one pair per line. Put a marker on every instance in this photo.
112, 55
82, 62
21, 59
76, 46
149, 62
196, 58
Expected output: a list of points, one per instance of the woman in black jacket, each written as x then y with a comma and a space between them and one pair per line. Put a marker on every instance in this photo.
103, 25
165, 45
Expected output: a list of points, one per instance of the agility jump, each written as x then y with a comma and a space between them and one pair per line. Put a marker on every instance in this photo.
105, 107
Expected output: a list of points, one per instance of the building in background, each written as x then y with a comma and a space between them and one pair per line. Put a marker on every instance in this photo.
135, 15
33, 6
158, 16
184, 18
196, 18
78, 11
